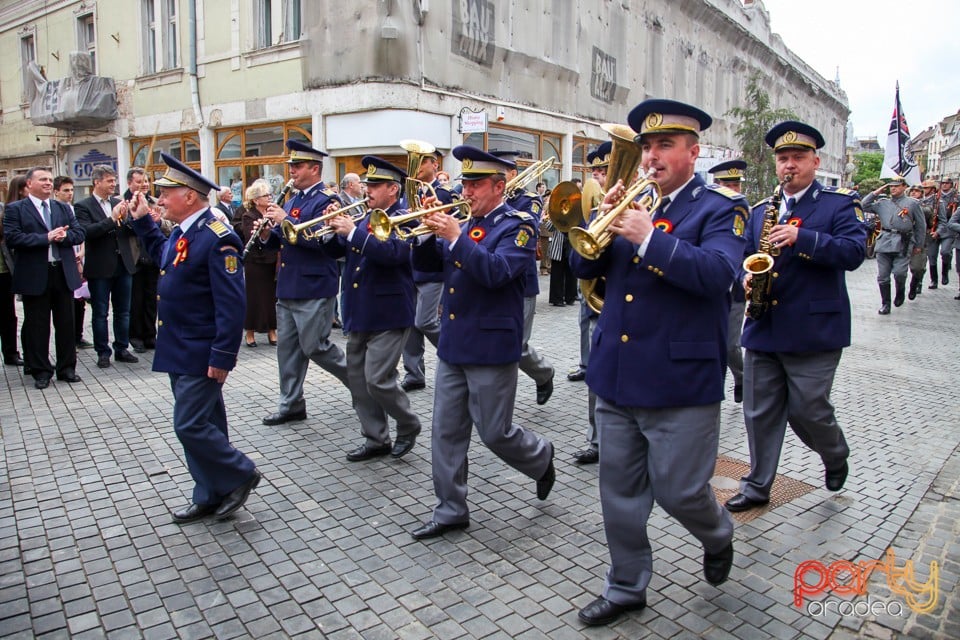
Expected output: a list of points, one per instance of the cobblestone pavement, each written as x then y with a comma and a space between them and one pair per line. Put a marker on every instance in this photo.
89, 473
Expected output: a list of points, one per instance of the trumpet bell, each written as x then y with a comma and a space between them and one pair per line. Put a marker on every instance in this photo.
593, 292
380, 225
585, 243
758, 263
565, 208
290, 231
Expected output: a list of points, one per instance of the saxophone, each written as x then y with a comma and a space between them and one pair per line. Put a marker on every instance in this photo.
760, 264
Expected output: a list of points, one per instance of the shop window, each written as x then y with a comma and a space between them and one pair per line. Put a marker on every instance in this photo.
246, 154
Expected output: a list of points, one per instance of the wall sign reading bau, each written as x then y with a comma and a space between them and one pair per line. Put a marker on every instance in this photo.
473, 22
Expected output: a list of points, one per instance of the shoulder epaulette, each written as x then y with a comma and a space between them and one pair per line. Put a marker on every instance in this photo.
330, 193
523, 215
763, 203
724, 191
843, 191
218, 228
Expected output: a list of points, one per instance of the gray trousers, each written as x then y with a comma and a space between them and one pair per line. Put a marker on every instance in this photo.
303, 334
734, 352
483, 396
531, 362
892, 262
426, 323
372, 373
667, 455
795, 388
588, 322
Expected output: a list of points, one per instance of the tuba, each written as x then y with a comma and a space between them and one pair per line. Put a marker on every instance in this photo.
416, 152
759, 264
294, 232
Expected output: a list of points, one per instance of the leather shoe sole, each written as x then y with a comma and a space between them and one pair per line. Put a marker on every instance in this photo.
602, 611
587, 456
412, 386
41, 383
741, 502
436, 529
545, 483
403, 445
236, 498
280, 418
192, 513
70, 378
716, 566
125, 356
366, 452
544, 391
834, 479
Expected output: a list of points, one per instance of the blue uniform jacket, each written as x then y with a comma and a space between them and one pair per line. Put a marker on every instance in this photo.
308, 269
482, 319
531, 203
445, 196
378, 292
25, 233
661, 340
809, 306
201, 300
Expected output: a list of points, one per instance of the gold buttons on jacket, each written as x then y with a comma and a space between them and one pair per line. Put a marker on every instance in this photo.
158, 296
636, 259
163, 272
624, 338
453, 317
358, 268
283, 264
355, 285
775, 274
452, 290
457, 264
774, 303
160, 323
628, 297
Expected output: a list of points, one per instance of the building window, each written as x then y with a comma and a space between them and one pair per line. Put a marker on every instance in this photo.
28, 54
581, 149
281, 17
182, 146
87, 39
532, 145
245, 154
160, 44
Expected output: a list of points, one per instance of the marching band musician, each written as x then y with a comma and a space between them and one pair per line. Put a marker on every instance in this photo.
201, 308
531, 363
793, 349
484, 263
307, 285
729, 174
378, 314
902, 236
599, 160
658, 356
429, 287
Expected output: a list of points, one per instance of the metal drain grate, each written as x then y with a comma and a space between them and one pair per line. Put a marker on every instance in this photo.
726, 483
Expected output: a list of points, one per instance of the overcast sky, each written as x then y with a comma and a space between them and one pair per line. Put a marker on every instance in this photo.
875, 43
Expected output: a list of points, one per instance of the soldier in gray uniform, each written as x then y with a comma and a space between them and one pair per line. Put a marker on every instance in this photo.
901, 237
944, 237
918, 263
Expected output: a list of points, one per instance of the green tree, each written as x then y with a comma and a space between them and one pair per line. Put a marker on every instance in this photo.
868, 166
756, 118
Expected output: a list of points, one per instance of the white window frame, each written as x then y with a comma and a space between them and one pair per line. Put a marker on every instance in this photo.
280, 17
160, 36
87, 26
26, 57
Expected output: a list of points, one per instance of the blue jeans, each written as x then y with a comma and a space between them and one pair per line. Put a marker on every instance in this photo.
102, 290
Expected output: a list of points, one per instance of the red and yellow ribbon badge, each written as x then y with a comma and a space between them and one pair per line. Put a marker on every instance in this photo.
794, 222
477, 234
664, 225
181, 248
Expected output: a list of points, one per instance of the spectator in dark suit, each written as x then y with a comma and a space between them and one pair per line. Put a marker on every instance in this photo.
63, 191
16, 190
111, 259
43, 233
143, 296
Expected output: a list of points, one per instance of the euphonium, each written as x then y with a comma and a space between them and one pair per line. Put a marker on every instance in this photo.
759, 264
416, 151
383, 225
293, 232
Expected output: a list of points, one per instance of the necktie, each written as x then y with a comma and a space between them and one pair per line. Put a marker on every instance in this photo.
791, 203
45, 208
662, 209
175, 235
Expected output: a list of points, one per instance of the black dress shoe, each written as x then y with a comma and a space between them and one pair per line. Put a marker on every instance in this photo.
590, 455
69, 377
738, 394
237, 497
436, 529
544, 391
125, 356
251, 344
602, 611
741, 502
137, 346
402, 446
577, 376
42, 382
716, 566
366, 452
192, 513
103, 362
280, 418
545, 483
412, 385
84, 344
836, 477
139, 349
13, 361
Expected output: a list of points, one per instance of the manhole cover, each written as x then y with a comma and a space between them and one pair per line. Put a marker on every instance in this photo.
726, 483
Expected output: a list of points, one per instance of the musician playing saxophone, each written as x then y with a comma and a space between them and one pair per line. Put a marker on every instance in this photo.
794, 347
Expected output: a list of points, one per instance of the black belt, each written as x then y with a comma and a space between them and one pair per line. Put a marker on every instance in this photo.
54, 263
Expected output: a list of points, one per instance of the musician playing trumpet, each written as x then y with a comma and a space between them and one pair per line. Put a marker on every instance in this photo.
307, 284
792, 350
378, 311
658, 354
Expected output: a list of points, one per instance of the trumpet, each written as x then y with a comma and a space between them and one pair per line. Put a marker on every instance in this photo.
293, 232
528, 175
383, 225
269, 223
